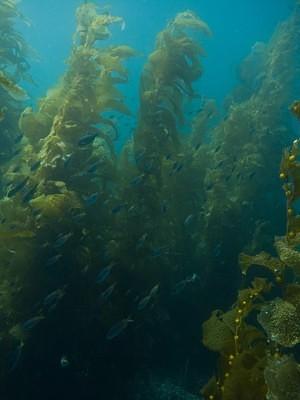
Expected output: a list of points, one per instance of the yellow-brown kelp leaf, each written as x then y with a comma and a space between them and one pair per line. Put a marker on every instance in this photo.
188, 19
282, 376
262, 259
245, 380
292, 295
281, 321
15, 91
6, 235
211, 390
218, 334
55, 206
295, 108
123, 51
287, 254
92, 26
34, 126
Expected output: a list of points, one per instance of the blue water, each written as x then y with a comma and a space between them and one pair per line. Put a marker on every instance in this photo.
236, 26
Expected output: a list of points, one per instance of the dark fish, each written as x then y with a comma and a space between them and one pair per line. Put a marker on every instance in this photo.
16, 188
188, 220
35, 165
118, 208
158, 251
164, 207
140, 155
149, 166
154, 290
197, 146
252, 174
217, 148
91, 200
53, 260
53, 298
104, 274
143, 303
93, 167
175, 165
28, 195
15, 357
32, 322
17, 168
64, 362
108, 292
217, 250
62, 239
118, 328
179, 168
179, 287
87, 139
141, 241
137, 180
192, 278
78, 217
19, 138
209, 186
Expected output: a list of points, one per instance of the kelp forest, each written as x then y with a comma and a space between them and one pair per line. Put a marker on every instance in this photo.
168, 268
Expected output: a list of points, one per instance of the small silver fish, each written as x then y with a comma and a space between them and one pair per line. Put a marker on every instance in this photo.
108, 292
32, 322
104, 274
154, 290
141, 241
188, 220
64, 362
62, 239
179, 287
53, 298
15, 357
87, 139
118, 328
143, 303
53, 260
91, 200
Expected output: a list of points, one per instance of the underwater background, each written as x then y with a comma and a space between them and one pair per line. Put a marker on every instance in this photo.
149, 200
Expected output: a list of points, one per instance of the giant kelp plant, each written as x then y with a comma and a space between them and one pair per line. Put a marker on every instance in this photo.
13, 69
242, 172
47, 196
257, 337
